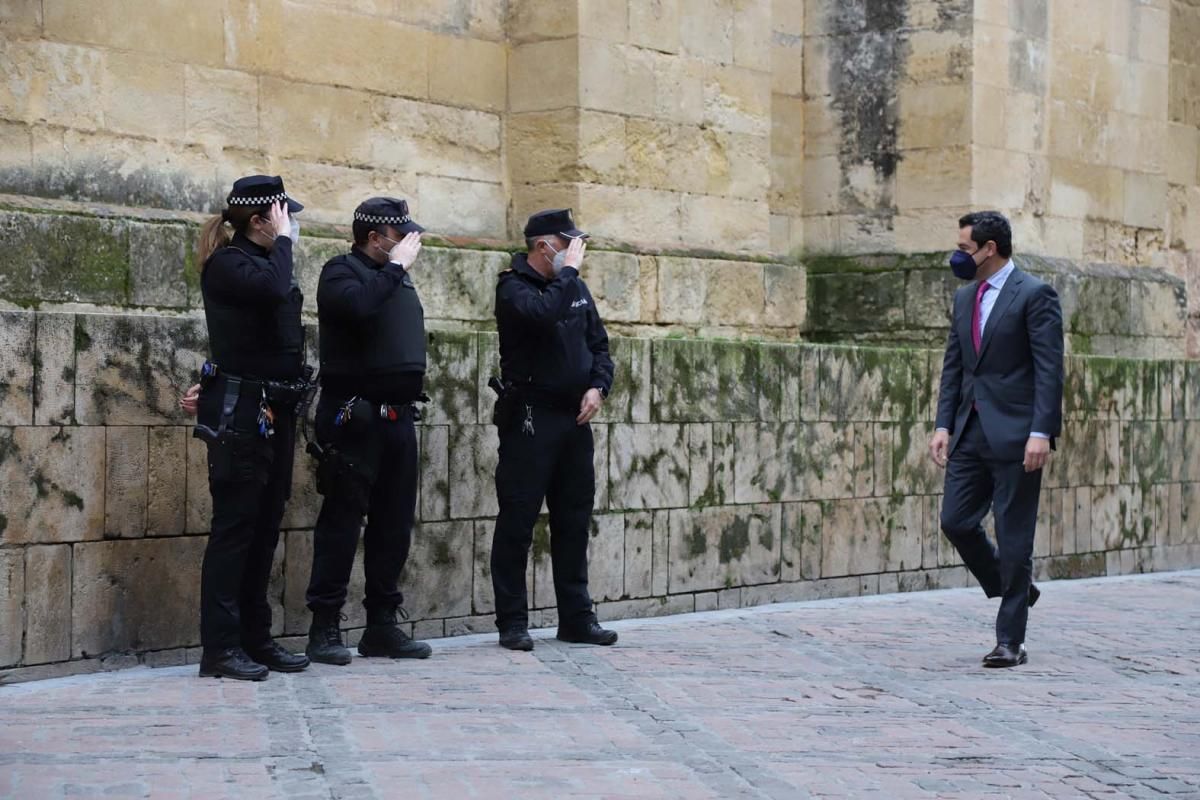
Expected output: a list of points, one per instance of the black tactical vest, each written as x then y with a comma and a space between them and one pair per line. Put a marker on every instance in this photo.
389, 341
258, 341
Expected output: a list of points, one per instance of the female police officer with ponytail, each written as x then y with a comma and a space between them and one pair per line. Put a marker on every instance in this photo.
246, 406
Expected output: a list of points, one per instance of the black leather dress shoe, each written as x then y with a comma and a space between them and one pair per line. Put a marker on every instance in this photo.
1034, 594
1006, 655
231, 663
591, 633
516, 639
274, 657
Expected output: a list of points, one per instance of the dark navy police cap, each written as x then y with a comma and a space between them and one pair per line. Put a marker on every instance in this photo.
261, 190
553, 220
387, 211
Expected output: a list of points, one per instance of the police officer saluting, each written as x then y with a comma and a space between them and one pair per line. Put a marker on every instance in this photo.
556, 373
372, 331
246, 406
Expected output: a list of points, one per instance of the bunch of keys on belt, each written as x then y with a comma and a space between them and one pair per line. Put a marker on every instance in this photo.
266, 418
345, 412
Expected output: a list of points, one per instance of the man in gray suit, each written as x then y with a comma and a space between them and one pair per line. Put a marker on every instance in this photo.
999, 410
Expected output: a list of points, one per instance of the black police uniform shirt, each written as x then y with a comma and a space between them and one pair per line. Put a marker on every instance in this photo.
552, 342
372, 337
252, 305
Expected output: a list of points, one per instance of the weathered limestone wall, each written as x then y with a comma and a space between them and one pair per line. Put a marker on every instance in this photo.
65, 255
729, 474
164, 103
1077, 118
1107, 309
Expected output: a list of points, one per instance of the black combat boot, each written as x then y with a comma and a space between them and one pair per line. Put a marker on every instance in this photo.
274, 657
589, 632
384, 638
516, 639
231, 663
325, 638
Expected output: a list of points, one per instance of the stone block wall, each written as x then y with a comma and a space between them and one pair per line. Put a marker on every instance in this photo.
729, 474
71, 255
1107, 309
165, 103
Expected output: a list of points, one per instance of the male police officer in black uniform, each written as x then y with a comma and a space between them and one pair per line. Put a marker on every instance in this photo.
556, 372
372, 331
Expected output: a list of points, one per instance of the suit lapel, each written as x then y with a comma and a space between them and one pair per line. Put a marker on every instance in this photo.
963, 322
1007, 294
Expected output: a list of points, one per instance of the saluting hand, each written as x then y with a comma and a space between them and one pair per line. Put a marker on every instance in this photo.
190, 401
575, 251
590, 406
277, 215
405, 251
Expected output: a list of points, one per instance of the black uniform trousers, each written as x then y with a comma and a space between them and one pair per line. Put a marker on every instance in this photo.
241, 549
975, 480
390, 514
553, 464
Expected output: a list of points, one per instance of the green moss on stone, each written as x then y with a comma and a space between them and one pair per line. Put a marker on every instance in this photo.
735, 540
697, 543
72, 499
541, 538
443, 556
82, 340
41, 484
8, 445
1088, 565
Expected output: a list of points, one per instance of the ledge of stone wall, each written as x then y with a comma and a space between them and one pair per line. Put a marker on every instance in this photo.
728, 474
55, 258
1107, 309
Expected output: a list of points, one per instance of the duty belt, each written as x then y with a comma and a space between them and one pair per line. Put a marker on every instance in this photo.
388, 412
293, 396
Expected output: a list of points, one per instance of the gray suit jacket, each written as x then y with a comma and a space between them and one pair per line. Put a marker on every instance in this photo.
1016, 381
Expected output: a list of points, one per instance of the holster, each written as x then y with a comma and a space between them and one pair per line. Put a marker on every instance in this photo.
237, 455
348, 464
505, 407
235, 451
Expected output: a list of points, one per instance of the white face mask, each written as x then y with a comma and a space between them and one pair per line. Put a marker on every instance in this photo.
294, 233
391, 244
560, 258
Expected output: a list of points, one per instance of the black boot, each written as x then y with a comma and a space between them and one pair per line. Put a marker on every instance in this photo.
516, 639
272, 656
589, 632
384, 638
325, 638
231, 663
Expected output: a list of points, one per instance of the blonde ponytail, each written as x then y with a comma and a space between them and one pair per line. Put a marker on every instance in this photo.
213, 236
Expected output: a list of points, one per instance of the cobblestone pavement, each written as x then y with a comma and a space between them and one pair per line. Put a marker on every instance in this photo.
869, 697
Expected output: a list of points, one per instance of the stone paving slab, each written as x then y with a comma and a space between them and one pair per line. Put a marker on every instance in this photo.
875, 697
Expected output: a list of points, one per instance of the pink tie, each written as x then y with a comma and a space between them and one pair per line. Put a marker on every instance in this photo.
976, 334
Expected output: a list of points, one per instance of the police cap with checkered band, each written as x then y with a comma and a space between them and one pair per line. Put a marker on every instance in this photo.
261, 190
387, 211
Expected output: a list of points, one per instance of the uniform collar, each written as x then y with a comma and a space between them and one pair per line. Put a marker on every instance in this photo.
521, 266
243, 243
363, 257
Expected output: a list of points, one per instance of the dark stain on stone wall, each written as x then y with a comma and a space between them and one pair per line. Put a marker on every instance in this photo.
865, 62
868, 53
1027, 57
